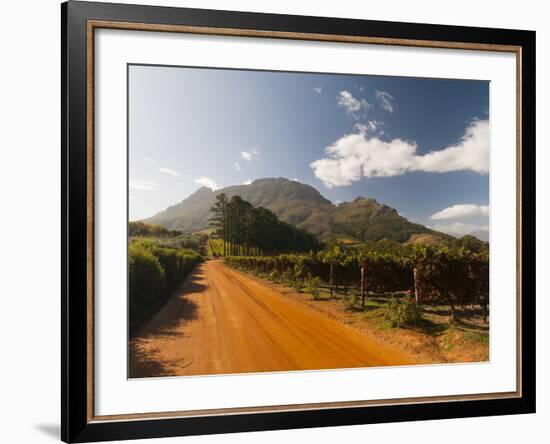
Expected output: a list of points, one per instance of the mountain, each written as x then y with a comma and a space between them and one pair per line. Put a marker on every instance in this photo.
303, 206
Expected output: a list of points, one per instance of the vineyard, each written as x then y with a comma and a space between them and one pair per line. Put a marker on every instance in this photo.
429, 275
215, 247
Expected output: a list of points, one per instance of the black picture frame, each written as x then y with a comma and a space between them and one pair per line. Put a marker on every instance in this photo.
76, 424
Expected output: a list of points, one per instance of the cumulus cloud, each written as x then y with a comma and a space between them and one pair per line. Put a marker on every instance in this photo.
358, 155
142, 185
461, 211
249, 155
385, 100
207, 182
237, 166
318, 89
169, 172
461, 229
149, 159
351, 104
247, 182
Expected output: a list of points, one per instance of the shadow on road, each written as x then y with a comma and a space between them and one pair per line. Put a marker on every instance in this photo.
168, 322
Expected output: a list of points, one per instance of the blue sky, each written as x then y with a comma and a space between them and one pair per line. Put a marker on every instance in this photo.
418, 145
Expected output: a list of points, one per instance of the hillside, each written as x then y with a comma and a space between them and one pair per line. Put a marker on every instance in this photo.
303, 206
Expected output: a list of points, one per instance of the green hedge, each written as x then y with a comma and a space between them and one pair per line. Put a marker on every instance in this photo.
154, 272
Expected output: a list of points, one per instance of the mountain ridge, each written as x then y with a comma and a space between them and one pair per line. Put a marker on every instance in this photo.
363, 219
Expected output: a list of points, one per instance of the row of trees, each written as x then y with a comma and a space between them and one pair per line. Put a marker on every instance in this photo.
154, 272
434, 275
250, 231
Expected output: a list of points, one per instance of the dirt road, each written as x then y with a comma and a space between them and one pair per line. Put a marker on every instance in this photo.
223, 321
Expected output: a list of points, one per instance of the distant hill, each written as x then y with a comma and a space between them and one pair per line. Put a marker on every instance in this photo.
303, 206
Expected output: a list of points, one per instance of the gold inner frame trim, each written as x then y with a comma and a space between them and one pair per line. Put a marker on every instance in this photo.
92, 25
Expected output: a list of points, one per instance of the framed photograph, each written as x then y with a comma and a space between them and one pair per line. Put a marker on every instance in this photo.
276, 221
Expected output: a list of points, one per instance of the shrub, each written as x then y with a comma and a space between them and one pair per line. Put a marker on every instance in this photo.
312, 287
400, 312
146, 281
287, 277
154, 272
352, 298
274, 276
298, 284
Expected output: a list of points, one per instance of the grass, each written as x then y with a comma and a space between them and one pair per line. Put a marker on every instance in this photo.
465, 335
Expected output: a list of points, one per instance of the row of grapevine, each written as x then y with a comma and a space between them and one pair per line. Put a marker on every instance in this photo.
154, 272
433, 275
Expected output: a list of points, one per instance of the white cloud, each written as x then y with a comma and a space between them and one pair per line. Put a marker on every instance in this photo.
169, 171
369, 128
459, 229
351, 104
142, 185
207, 182
247, 182
237, 166
354, 156
249, 155
385, 100
318, 89
149, 159
461, 211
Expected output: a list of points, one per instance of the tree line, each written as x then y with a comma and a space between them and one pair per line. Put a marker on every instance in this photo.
142, 229
252, 231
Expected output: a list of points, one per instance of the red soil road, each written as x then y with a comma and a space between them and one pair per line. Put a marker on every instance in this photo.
223, 321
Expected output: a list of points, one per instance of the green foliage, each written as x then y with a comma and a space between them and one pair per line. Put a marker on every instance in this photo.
142, 229
287, 277
196, 242
441, 275
246, 230
401, 312
147, 282
154, 272
470, 243
312, 286
274, 276
298, 284
352, 298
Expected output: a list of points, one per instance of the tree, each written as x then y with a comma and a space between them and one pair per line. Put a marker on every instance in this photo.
247, 230
219, 220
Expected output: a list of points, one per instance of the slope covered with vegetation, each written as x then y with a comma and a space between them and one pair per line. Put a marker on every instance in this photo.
304, 207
